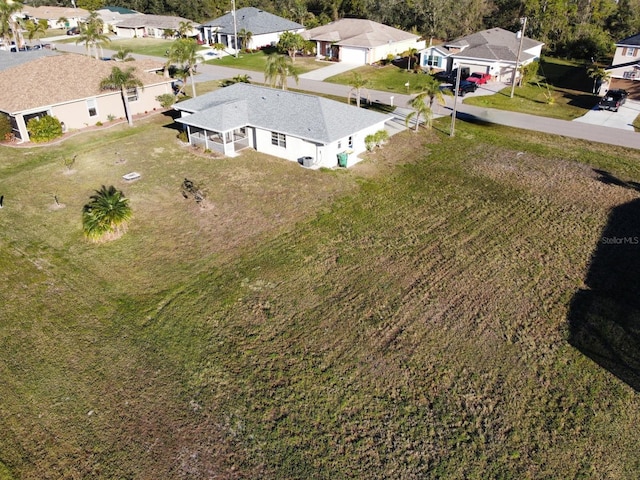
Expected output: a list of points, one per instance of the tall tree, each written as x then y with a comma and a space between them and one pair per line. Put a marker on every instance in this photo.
420, 108
8, 9
123, 80
36, 29
277, 69
183, 51
290, 43
92, 34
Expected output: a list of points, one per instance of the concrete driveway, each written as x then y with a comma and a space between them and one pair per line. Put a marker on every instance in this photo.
622, 119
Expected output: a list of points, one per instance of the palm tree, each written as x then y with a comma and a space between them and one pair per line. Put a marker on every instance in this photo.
184, 52
106, 215
357, 83
431, 89
123, 81
410, 53
63, 22
91, 34
599, 75
185, 28
277, 69
7, 24
245, 38
420, 108
123, 55
36, 29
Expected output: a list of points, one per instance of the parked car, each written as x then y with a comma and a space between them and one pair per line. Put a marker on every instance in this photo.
479, 78
464, 87
613, 99
450, 77
73, 31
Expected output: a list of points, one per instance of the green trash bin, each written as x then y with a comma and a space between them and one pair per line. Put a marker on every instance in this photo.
342, 159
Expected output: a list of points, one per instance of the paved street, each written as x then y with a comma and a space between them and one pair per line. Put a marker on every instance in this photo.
604, 132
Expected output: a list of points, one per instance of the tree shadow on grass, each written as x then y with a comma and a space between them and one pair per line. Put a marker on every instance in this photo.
604, 317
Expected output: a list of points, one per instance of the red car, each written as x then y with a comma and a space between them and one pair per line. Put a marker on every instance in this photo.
479, 78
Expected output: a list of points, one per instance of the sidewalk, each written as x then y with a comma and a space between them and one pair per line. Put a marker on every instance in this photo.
331, 69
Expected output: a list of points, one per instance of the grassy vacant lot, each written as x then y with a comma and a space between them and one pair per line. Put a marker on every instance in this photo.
257, 61
562, 90
404, 319
388, 78
155, 47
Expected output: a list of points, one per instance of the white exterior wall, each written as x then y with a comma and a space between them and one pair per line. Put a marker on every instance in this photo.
353, 55
129, 32
397, 48
625, 55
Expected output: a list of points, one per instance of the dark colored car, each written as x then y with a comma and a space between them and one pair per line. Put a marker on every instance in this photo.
466, 87
613, 100
450, 77
73, 31
479, 78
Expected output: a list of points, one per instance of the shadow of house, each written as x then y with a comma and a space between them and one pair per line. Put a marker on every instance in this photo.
604, 317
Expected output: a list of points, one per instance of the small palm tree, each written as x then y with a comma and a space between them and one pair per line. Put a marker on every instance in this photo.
599, 75
277, 69
122, 80
420, 108
185, 28
106, 215
36, 29
357, 83
63, 22
411, 53
123, 55
245, 38
431, 88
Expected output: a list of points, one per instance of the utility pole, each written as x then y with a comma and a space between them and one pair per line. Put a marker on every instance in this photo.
455, 102
523, 22
235, 27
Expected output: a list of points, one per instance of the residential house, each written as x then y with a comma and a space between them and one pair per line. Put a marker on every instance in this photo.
68, 88
493, 51
278, 122
155, 26
625, 67
265, 28
361, 42
52, 15
111, 16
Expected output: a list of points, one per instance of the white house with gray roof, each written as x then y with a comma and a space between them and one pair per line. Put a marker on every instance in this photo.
360, 42
493, 51
279, 123
265, 28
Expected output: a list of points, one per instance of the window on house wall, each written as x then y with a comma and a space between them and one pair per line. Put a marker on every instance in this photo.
433, 60
632, 52
339, 143
279, 139
92, 107
351, 142
132, 94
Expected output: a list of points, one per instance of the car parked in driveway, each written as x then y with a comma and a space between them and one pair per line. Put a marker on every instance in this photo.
613, 100
479, 78
464, 87
73, 31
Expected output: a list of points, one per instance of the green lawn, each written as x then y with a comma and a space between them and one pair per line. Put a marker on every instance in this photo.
562, 90
257, 61
156, 47
388, 78
407, 318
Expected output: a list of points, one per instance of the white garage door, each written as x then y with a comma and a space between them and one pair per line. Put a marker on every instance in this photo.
356, 56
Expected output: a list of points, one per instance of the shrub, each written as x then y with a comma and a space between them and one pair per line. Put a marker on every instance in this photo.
98, 123
166, 100
370, 142
5, 126
44, 129
183, 137
106, 215
380, 137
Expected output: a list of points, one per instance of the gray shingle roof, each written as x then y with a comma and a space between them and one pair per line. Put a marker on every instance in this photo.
13, 59
304, 116
253, 20
493, 44
633, 40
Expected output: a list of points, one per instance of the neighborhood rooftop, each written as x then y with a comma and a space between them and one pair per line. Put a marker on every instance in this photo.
253, 20
305, 116
155, 21
494, 43
357, 32
76, 76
